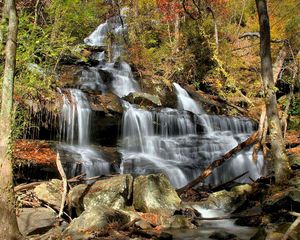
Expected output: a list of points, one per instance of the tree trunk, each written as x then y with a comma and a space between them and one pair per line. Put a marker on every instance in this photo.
280, 160
8, 222
177, 32
3, 25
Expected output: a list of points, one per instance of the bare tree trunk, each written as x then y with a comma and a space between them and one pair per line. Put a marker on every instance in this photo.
215, 27
177, 32
281, 165
8, 222
279, 62
3, 24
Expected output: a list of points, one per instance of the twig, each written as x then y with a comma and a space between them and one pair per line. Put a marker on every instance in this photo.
65, 184
293, 226
130, 224
223, 185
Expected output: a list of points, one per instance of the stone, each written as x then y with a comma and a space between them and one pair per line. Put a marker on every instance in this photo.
50, 192
113, 192
222, 235
274, 236
242, 189
94, 220
226, 200
177, 222
35, 220
163, 89
281, 199
108, 103
143, 99
294, 161
154, 194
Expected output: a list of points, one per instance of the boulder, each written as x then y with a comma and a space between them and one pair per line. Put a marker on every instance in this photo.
94, 220
177, 222
113, 192
283, 199
242, 189
155, 194
222, 199
294, 161
108, 103
160, 87
35, 220
143, 99
50, 192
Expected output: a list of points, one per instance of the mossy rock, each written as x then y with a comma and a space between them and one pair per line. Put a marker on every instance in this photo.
155, 194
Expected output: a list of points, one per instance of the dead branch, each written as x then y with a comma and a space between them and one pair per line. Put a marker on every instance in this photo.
208, 171
65, 184
129, 225
223, 185
261, 129
28, 186
293, 226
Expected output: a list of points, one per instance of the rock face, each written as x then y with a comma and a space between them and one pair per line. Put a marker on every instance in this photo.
163, 89
50, 192
154, 194
143, 99
108, 103
114, 192
93, 220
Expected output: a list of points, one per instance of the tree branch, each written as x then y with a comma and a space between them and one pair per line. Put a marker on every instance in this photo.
209, 170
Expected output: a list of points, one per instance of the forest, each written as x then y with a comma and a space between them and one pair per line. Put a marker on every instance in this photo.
150, 119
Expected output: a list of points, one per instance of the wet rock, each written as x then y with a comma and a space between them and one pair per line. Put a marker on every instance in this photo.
274, 236
226, 200
282, 199
222, 235
177, 222
155, 194
113, 192
35, 220
69, 75
294, 161
108, 103
260, 235
163, 89
50, 192
143, 99
94, 220
242, 189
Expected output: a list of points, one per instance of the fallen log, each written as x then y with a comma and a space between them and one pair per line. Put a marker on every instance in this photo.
208, 171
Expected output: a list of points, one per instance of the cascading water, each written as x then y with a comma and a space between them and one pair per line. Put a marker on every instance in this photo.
75, 133
179, 142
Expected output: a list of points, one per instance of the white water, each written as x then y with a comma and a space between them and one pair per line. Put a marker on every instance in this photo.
185, 102
75, 118
179, 142
123, 81
209, 227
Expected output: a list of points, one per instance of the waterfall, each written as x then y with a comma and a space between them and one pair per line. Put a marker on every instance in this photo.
179, 142
75, 118
185, 102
